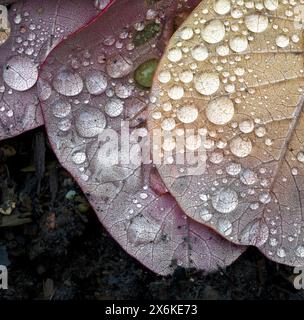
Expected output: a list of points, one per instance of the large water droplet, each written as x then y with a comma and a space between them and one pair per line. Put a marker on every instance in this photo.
213, 32
68, 83
222, 6
90, 122
187, 114
207, 83
220, 110
225, 200
20, 73
241, 147
256, 23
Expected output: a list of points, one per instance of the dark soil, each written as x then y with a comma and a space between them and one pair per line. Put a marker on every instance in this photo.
57, 249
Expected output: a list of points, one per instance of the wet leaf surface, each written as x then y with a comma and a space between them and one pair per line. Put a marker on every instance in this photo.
233, 73
91, 76
35, 27
85, 262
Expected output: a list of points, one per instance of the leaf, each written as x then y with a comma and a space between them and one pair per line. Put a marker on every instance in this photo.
35, 27
234, 75
93, 90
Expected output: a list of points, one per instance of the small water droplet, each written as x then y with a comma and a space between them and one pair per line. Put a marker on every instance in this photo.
96, 82
114, 107
61, 108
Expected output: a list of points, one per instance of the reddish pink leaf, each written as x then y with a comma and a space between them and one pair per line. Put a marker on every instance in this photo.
93, 90
36, 26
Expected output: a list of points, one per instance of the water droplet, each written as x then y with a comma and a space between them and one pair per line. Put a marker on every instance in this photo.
220, 110
265, 197
68, 83
281, 253
222, 6
119, 66
164, 76
246, 126
300, 156
175, 54
79, 157
123, 91
61, 108
90, 122
18, 18
169, 144
186, 33
238, 43
233, 169
260, 132
20, 73
44, 90
241, 147
176, 92
225, 200
96, 82
248, 177
256, 23
199, 53
207, 83
213, 32
205, 215
114, 107
271, 4
187, 114
64, 125
300, 252
282, 41
168, 124
186, 76
225, 227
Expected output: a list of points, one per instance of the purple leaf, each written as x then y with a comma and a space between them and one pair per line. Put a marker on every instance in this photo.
242, 97
35, 27
91, 76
